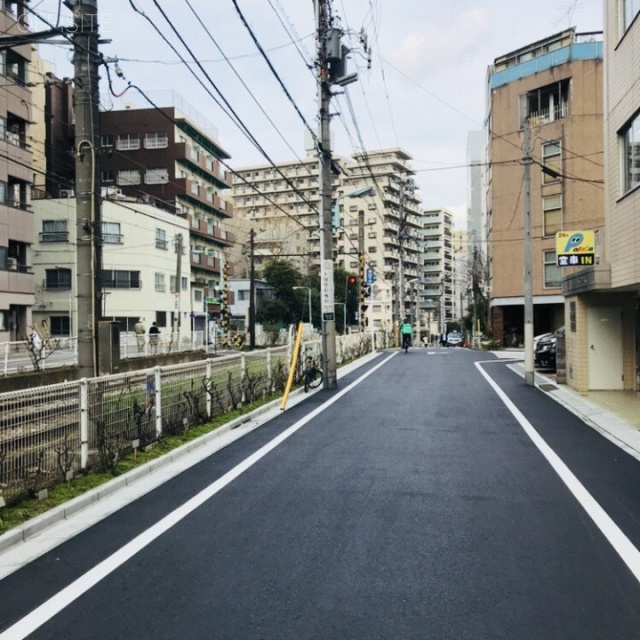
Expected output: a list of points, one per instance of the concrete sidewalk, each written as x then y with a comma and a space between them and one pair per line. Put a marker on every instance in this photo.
614, 414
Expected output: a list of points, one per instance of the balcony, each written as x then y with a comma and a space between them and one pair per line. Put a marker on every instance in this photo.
54, 236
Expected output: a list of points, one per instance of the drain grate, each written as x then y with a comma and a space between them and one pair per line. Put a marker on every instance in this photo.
548, 387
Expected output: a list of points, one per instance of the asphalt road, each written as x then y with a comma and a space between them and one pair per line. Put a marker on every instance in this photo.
413, 505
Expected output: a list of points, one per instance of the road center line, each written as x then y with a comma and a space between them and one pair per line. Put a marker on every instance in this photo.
616, 537
81, 585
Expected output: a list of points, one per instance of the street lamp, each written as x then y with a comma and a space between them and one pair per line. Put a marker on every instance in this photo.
309, 291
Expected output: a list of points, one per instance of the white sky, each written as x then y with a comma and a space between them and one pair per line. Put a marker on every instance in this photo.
424, 92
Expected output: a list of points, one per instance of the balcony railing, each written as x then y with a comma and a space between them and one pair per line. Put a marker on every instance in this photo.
54, 236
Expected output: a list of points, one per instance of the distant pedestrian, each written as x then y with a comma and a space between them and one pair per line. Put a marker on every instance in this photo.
140, 331
154, 334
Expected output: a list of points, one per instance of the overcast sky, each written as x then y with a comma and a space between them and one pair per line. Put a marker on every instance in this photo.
424, 92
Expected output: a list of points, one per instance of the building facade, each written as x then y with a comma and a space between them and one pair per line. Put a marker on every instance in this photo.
16, 175
284, 214
603, 301
139, 267
170, 157
554, 87
437, 267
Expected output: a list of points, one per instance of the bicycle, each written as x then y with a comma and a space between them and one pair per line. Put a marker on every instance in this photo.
406, 342
312, 373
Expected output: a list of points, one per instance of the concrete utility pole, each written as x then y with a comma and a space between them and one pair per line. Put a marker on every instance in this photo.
179, 250
361, 273
529, 373
329, 365
88, 187
405, 186
252, 291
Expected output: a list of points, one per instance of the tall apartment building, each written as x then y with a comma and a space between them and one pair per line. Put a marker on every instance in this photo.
171, 157
281, 205
391, 231
16, 225
555, 85
437, 267
603, 301
284, 215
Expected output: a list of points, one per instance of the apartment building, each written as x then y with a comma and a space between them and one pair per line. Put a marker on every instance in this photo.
437, 269
139, 266
16, 224
280, 203
603, 301
391, 231
170, 157
284, 214
554, 86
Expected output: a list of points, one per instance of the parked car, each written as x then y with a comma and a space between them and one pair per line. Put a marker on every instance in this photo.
454, 339
545, 350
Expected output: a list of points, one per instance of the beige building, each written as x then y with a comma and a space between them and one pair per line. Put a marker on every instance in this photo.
281, 205
603, 302
16, 224
554, 85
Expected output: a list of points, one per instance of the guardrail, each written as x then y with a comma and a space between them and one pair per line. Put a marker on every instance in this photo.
52, 433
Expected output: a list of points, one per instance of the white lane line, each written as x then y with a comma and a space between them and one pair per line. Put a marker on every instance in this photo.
616, 537
81, 585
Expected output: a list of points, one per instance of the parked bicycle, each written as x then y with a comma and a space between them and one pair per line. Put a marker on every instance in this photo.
312, 372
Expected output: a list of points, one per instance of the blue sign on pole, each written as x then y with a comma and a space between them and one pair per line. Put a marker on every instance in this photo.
370, 276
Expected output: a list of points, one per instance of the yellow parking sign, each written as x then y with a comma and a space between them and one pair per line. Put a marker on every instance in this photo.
575, 248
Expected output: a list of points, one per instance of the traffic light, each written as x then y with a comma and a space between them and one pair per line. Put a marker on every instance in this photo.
352, 281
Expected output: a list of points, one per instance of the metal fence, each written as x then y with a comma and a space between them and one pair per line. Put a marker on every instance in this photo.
52, 433
32, 355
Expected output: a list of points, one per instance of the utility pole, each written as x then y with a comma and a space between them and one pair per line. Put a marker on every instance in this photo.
329, 365
405, 185
529, 373
176, 317
88, 187
361, 286
252, 291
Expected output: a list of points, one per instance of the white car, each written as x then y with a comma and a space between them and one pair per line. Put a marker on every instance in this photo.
454, 339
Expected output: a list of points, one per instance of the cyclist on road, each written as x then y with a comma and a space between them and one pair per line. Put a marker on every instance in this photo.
406, 330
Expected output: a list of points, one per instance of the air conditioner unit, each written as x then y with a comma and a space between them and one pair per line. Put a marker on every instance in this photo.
12, 264
197, 250
67, 193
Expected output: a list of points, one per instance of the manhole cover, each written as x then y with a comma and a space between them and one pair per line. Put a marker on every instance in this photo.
548, 387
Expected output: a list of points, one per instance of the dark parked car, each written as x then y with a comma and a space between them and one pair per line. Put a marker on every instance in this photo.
545, 350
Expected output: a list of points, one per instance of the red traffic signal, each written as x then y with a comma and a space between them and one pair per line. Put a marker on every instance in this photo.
352, 281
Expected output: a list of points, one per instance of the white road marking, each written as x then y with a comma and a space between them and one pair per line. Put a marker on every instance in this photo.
81, 585
616, 537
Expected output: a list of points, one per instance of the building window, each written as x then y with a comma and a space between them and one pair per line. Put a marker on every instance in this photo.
60, 326
630, 10
551, 161
551, 215
106, 140
128, 177
156, 176
107, 175
161, 239
161, 318
54, 231
111, 233
552, 272
160, 282
58, 279
243, 296
128, 142
113, 279
630, 137
172, 284
184, 283
156, 140
197, 295
546, 104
